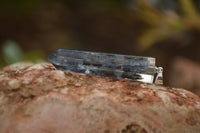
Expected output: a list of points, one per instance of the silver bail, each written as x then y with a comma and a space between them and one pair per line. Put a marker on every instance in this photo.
158, 77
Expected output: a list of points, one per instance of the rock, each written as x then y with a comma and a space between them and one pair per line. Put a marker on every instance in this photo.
50, 101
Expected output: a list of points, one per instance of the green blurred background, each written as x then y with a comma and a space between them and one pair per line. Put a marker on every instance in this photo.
166, 29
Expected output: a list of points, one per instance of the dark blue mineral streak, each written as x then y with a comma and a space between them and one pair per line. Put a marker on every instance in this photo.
102, 64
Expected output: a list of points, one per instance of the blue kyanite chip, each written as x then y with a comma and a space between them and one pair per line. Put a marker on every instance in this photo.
103, 64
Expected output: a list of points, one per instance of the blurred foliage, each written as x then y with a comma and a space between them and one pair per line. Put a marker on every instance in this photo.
25, 7
163, 25
18, 8
12, 53
88, 23
165, 18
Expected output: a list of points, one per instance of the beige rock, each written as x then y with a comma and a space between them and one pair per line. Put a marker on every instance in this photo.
91, 104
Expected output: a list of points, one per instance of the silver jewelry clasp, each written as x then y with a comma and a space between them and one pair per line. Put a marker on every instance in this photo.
158, 77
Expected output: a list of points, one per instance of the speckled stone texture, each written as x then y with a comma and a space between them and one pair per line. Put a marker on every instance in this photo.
37, 98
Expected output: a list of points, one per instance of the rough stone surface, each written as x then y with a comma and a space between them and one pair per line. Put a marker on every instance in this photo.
40, 99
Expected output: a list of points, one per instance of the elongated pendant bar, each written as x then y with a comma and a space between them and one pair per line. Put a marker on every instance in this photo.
105, 64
